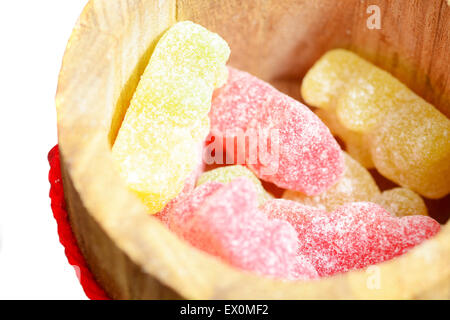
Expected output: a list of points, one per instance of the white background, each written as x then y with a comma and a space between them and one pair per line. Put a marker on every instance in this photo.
33, 36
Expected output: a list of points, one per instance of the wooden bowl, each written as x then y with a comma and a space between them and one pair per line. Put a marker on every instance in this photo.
134, 256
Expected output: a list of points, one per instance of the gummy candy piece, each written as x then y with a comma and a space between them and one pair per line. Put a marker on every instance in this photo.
355, 185
401, 202
303, 154
356, 144
158, 143
360, 92
328, 77
354, 236
303, 270
412, 148
408, 138
164, 214
229, 173
225, 222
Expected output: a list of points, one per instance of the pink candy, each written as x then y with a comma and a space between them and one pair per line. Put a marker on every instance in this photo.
303, 269
354, 236
224, 221
283, 239
294, 149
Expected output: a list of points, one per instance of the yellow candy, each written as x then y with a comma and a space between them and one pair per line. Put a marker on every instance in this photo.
408, 139
412, 148
401, 202
360, 93
159, 142
355, 185
229, 173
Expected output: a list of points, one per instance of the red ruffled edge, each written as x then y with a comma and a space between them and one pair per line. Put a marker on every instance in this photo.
66, 237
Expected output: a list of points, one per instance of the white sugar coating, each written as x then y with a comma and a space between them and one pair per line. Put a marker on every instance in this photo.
224, 220
167, 121
188, 205
303, 154
355, 185
232, 111
401, 202
142, 164
228, 173
360, 93
328, 77
186, 65
369, 96
354, 236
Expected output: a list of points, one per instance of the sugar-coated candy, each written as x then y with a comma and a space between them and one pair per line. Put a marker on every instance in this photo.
412, 147
228, 173
183, 211
401, 202
224, 220
360, 93
356, 143
288, 145
439, 209
353, 236
408, 139
355, 185
157, 146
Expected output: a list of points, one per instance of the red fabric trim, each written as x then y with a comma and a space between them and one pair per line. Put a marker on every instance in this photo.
66, 236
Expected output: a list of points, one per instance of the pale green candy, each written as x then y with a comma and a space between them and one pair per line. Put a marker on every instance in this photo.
229, 173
